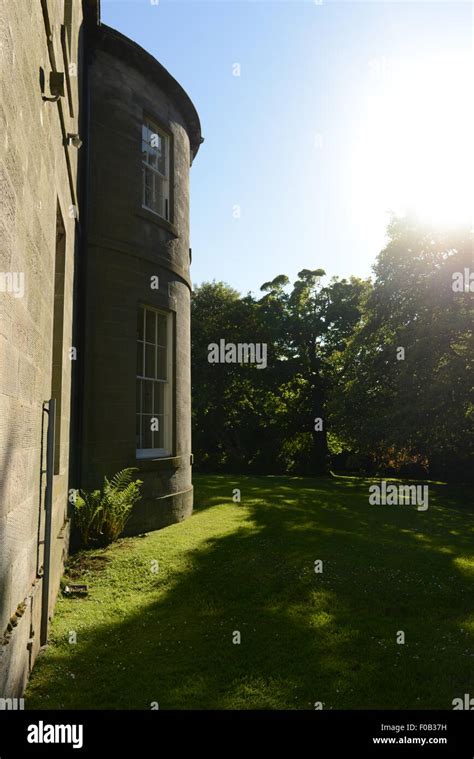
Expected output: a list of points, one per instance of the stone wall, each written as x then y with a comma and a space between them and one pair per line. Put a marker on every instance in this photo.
126, 246
74, 267
38, 185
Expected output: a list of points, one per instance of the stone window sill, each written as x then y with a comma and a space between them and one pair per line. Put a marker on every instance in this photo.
144, 213
163, 462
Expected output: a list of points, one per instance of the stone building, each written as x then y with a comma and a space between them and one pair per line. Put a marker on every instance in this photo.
96, 143
144, 133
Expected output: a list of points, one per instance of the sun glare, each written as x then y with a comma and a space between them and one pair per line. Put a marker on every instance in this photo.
413, 150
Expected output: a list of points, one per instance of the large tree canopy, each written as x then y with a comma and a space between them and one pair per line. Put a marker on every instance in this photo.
379, 372
406, 376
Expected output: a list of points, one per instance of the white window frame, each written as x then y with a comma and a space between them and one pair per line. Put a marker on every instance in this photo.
158, 176
147, 453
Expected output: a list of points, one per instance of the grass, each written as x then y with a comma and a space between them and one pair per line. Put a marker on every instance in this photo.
306, 637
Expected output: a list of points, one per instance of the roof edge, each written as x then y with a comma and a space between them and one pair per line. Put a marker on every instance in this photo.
117, 44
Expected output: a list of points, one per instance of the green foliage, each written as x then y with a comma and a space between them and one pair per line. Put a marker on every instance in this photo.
88, 516
247, 419
332, 353
417, 411
101, 515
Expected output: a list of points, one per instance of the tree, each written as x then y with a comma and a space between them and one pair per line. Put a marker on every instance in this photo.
247, 419
314, 322
413, 404
229, 420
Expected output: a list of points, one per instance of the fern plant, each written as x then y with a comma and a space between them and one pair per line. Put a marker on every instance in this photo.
101, 515
88, 514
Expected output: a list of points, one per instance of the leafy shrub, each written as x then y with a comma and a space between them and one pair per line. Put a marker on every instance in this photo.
101, 515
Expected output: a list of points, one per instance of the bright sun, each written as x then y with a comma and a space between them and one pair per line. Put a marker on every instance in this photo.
414, 148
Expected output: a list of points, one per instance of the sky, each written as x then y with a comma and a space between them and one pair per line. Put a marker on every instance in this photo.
341, 113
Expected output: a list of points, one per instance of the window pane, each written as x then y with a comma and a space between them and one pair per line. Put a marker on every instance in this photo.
148, 189
150, 361
147, 397
140, 359
159, 398
153, 159
161, 329
153, 391
143, 186
150, 156
161, 359
138, 399
162, 159
150, 199
159, 435
145, 133
137, 431
147, 435
156, 141
159, 195
140, 323
150, 328
155, 156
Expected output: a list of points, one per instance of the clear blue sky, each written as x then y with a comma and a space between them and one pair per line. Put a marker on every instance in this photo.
289, 140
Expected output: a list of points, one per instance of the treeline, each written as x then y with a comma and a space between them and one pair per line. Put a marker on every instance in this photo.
364, 376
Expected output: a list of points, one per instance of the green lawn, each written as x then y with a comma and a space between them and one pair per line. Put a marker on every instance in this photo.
167, 637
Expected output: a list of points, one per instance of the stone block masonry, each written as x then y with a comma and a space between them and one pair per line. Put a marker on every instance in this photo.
84, 231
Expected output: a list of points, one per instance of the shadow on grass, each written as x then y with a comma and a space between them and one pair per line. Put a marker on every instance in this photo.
304, 636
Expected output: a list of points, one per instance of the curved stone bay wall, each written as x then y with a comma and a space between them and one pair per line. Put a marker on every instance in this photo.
127, 246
